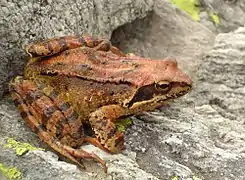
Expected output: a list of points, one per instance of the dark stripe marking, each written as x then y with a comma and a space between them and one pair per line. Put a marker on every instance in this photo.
47, 113
72, 117
53, 95
63, 107
119, 141
32, 96
24, 114
111, 133
60, 126
17, 102
39, 128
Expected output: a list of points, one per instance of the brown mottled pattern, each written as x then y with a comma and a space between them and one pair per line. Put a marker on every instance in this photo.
69, 123
107, 134
43, 105
59, 44
108, 67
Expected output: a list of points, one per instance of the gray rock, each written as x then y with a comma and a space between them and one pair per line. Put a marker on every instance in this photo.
230, 12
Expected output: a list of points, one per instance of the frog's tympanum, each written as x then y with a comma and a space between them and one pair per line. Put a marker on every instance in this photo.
71, 82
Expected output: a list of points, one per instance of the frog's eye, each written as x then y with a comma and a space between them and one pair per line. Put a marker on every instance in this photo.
162, 85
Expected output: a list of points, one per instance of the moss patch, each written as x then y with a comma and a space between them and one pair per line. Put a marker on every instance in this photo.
10, 172
189, 6
122, 124
20, 148
175, 178
214, 17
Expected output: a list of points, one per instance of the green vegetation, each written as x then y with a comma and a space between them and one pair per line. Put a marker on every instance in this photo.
215, 18
175, 178
122, 124
189, 6
20, 148
10, 172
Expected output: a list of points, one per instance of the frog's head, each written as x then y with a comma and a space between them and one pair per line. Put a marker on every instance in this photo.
166, 81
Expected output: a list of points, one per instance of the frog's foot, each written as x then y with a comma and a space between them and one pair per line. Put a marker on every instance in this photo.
56, 45
105, 130
56, 124
79, 153
96, 142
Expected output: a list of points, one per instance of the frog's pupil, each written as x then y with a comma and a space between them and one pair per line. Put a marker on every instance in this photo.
162, 86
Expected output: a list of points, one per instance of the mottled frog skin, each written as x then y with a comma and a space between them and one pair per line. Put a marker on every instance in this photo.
73, 81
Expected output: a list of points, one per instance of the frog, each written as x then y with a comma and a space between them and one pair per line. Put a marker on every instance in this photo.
75, 82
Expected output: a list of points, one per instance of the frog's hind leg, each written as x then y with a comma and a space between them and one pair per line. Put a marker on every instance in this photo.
56, 45
28, 106
39, 129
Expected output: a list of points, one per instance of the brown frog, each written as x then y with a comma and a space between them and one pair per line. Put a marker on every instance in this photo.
73, 81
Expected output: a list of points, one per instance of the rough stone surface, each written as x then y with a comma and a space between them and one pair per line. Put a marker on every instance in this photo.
230, 12
25, 21
198, 136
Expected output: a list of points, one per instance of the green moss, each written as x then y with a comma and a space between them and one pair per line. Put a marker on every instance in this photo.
20, 148
10, 172
214, 17
122, 124
189, 6
175, 178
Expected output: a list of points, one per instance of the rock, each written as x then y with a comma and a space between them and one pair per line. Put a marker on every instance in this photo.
229, 12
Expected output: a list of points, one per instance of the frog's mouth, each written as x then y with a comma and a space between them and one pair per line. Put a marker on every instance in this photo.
152, 94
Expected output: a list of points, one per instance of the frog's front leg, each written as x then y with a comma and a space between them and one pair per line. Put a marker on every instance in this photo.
102, 122
56, 124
